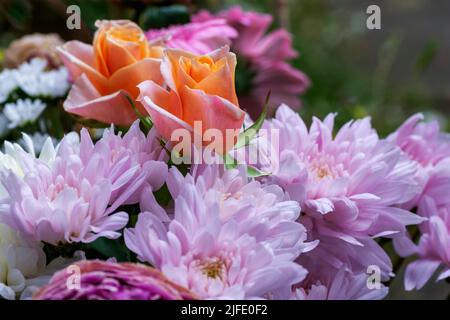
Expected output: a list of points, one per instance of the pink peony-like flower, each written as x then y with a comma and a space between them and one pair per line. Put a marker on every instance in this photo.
265, 55
74, 198
348, 185
341, 285
195, 37
101, 280
210, 251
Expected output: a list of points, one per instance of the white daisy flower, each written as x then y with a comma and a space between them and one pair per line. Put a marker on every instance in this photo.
8, 84
55, 83
22, 111
32, 78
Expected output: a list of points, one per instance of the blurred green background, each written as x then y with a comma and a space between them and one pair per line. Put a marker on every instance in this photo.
388, 74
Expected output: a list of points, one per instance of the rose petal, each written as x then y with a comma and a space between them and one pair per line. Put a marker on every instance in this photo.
84, 100
129, 77
170, 74
78, 58
218, 83
118, 55
214, 112
165, 122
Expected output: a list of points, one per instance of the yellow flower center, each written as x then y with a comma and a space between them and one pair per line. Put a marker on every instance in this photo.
213, 268
323, 172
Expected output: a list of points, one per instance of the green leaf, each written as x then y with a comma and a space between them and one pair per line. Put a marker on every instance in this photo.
145, 121
163, 195
246, 136
230, 162
110, 248
66, 250
253, 172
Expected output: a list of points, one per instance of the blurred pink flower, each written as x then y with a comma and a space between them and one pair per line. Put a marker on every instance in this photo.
211, 252
74, 198
266, 55
195, 37
102, 280
349, 186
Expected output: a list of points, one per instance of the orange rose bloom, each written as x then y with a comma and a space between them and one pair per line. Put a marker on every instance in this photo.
106, 72
201, 89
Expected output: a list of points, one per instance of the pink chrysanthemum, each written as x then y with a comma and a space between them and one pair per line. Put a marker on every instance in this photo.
213, 246
264, 212
341, 285
266, 55
425, 144
433, 249
74, 198
349, 186
140, 158
195, 37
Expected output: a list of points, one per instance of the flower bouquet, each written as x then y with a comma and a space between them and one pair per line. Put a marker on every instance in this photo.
172, 163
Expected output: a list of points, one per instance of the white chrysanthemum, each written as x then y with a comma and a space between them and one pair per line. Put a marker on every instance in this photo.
9, 160
19, 259
37, 140
35, 81
8, 84
22, 112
